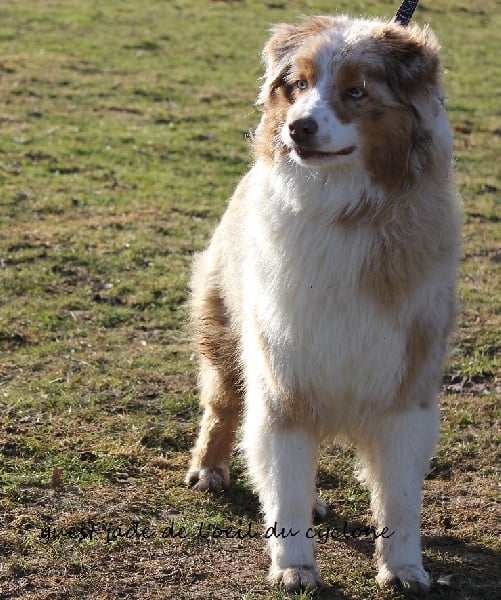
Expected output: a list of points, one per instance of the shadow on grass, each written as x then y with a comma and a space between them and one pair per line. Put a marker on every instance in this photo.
239, 501
459, 570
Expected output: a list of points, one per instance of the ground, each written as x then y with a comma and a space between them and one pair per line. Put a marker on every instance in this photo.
123, 132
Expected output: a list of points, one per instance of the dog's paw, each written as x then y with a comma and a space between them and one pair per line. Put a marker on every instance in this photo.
208, 478
407, 578
294, 579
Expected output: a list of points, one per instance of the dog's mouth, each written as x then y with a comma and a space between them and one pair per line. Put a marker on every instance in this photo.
308, 153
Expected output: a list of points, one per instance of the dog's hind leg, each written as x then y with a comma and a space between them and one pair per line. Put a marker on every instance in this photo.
209, 467
219, 384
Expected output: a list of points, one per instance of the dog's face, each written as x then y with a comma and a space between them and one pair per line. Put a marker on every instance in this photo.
343, 93
313, 132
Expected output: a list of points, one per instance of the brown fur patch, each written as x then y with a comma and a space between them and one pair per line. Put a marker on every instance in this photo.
266, 141
361, 74
216, 439
411, 57
303, 68
365, 210
286, 39
391, 136
419, 342
395, 146
219, 381
395, 266
214, 339
423, 340
413, 240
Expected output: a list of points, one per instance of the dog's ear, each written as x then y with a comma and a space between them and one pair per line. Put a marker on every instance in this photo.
276, 57
281, 47
411, 57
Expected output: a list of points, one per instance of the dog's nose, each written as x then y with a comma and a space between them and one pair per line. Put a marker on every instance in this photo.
302, 130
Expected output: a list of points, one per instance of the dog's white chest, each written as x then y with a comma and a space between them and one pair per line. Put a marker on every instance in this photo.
320, 333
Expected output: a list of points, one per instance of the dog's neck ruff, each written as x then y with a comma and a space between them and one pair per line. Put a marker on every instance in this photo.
318, 195
405, 12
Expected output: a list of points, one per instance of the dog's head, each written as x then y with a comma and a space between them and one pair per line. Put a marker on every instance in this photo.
340, 92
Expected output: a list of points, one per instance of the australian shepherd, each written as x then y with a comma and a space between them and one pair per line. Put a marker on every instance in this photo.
322, 306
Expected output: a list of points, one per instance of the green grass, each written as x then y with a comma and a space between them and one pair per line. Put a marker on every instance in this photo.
122, 134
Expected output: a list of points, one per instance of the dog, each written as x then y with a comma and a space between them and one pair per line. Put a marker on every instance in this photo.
323, 304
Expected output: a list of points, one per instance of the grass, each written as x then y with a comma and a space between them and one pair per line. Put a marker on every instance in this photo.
122, 134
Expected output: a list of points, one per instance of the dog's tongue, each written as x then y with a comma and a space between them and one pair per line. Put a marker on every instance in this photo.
345, 151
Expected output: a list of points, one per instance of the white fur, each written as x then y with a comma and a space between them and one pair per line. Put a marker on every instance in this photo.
349, 363
284, 293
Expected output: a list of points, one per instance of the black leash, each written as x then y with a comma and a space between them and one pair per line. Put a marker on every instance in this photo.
405, 12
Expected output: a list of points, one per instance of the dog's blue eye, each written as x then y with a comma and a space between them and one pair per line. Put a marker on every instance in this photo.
302, 84
355, 93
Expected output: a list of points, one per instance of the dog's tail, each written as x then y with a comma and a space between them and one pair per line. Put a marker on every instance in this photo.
405, 12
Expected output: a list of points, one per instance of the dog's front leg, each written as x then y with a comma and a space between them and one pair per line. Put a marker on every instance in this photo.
395, 463
282, 464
